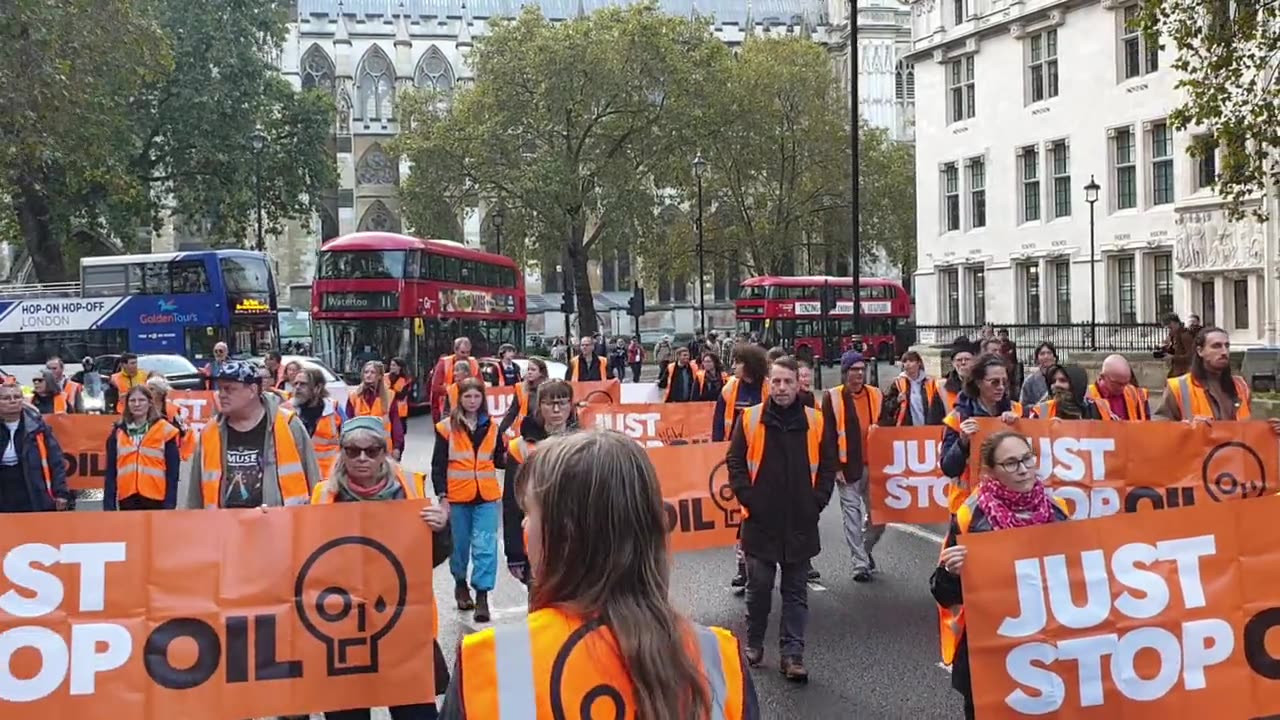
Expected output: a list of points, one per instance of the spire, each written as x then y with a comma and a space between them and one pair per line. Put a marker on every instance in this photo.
749, 25
402, 26
340, 35
464, 31
582, 9
693, 11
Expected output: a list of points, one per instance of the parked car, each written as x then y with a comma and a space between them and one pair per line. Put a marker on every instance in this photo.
337, 387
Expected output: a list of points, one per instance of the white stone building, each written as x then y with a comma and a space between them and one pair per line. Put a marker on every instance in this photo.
886, 80
1019, 104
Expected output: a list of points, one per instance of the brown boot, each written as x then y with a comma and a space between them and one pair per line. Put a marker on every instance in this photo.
755, 656
462, 594
793, 669
482, 607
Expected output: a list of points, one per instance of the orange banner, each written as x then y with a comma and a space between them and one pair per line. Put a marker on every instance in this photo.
1099, 468
653, 424
158, 615
1172, 617
198, 406
606, 392
702, 511
83, 439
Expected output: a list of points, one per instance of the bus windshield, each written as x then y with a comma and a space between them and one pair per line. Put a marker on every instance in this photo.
245, 276
362, 265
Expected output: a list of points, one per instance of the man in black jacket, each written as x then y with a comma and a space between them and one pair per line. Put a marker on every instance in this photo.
682, 381
783, 475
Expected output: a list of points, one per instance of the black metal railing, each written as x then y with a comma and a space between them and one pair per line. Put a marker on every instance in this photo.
1083, 337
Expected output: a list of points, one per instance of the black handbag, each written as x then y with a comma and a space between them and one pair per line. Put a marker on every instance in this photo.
441, 545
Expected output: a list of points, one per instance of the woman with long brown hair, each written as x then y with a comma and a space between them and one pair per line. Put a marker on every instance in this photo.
374, 399
601, 634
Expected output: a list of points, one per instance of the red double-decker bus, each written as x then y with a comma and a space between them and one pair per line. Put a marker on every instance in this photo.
788, 311
380, 295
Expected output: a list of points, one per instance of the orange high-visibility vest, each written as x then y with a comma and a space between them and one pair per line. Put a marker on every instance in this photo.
876, 400
753, 431
576, 361
123, 384
1136, 401
140, 467
1049, 409
187, 443
45, 470
730, 396
399, 385
59, 403
958, 488
472, 475
376, 410
513, 672
904, 391
290, 476
325, 439
70, 393
1193, 400
450, 360
699, 377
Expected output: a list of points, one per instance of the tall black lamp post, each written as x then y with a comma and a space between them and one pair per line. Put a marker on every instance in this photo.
1091, 196
258, 140
699, 167
498, 217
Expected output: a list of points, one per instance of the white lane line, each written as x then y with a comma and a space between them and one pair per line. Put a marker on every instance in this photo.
918, 532
945, 667
816, 586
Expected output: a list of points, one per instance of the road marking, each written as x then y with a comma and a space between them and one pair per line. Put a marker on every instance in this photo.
816, 586
945, 667
918, 532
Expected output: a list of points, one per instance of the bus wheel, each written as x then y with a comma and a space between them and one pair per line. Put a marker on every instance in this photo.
886, 352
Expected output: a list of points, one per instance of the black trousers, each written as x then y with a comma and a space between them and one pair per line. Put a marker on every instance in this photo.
794, 590
138, 502
635, 372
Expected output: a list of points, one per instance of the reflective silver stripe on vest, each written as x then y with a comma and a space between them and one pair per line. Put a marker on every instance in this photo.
293, 502
1042, 410
1184, 389
513, 651
750, 421
713, 664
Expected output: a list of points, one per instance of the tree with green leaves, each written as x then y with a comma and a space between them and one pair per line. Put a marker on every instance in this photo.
1227, 55
886, 198
126, 111
572, 127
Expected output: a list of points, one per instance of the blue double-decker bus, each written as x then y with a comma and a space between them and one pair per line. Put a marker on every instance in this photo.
181, 303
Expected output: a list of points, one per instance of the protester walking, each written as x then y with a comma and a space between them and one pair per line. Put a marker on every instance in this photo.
33, 471
128, 376
253, 453
364, 472
963, 353
45, 395
914, 399
1008, 496
535, 374
587, 365
713, 377
442, 376
985, 395
461, 372
70, 390
850, 409
464, 472
601, 615
320, 415
782, 474
508, 372
555, 416
144, 457
748, 387
682, 381
372, 398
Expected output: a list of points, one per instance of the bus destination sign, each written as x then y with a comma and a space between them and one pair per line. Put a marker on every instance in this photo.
360, 302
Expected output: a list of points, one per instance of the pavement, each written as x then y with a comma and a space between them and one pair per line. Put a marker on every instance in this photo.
872, 649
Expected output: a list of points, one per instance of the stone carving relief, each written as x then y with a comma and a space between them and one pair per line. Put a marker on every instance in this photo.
1209, 241
375, 167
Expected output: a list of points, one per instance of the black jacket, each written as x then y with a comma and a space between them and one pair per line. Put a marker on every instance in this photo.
948, 592
783, 503
41, 495
679, 393
532, 432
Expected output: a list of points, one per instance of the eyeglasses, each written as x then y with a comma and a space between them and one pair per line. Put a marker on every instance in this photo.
555, 404
1014, 464
373, 453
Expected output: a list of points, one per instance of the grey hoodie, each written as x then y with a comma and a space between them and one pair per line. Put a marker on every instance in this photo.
190, 496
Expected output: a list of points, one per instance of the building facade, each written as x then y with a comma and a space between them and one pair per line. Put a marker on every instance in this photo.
886, 80
1020, 104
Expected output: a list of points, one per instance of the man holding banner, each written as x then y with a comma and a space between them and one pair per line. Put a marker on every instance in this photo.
782, 474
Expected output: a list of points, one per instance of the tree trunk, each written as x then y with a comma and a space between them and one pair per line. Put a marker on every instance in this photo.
585, 301
32, 208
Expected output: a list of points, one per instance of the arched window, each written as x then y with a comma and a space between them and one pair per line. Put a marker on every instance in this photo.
434, 72
316, 70
379, 219
376, 167
375, 87
905, 81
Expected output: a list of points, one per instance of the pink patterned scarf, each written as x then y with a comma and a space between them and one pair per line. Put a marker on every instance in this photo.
1007, 508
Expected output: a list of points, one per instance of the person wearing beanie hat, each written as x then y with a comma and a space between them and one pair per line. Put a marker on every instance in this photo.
849, 410
963, 353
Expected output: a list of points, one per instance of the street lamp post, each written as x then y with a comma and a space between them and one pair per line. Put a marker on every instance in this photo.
699, 167
259, 140
856, 250
1091, 197
498, 218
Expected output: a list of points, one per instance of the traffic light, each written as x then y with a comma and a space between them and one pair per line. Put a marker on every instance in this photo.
828, 298
635, 306
566, 305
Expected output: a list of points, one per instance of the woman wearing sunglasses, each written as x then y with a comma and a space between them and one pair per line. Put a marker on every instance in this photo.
365, 472
1009, 495
986, 394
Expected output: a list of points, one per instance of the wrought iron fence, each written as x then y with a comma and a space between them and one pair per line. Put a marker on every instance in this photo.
1104, 337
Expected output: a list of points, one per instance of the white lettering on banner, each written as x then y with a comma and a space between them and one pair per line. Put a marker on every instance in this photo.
1044, 589
499, 404
68, 314
93, 647
914, 479
195, 411
1087, 502
635, 425
1064, 458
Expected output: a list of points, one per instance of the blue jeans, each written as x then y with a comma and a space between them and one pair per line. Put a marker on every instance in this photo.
475, 536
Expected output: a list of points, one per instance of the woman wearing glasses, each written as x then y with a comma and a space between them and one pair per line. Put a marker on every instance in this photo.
986, 394
365, 472
1009, 495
